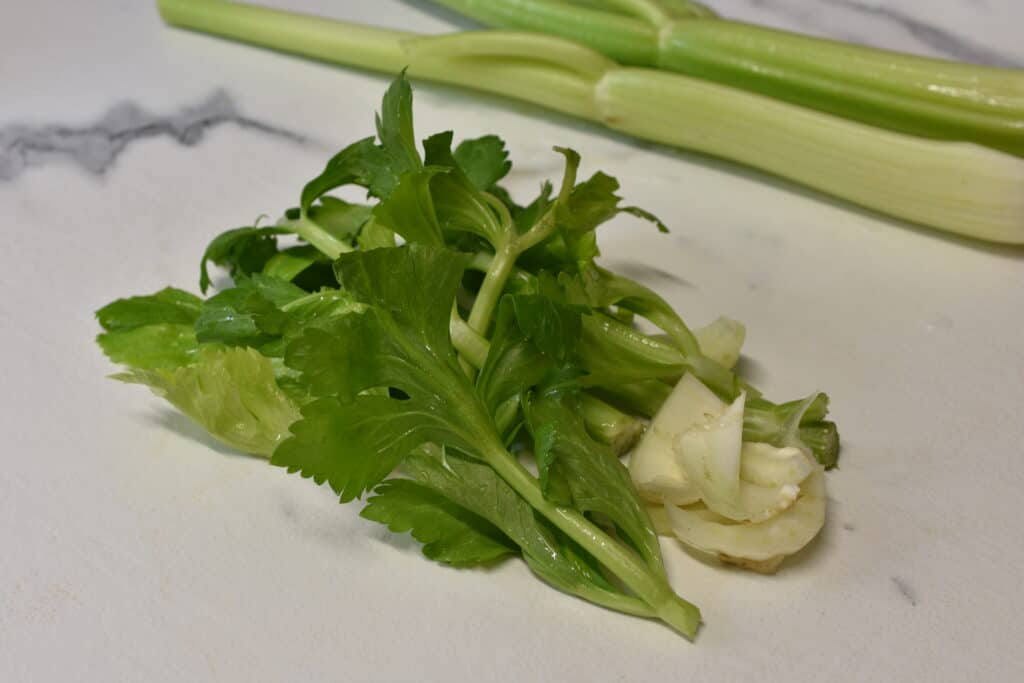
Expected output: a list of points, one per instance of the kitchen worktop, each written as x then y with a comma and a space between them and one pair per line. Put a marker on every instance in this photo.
134, 549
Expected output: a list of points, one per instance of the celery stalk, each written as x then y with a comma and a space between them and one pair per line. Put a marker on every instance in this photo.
956, 187
926, 97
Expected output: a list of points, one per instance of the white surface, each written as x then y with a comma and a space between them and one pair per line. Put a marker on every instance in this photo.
133, 551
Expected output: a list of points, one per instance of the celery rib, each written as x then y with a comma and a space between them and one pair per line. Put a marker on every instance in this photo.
956, 187
905, 93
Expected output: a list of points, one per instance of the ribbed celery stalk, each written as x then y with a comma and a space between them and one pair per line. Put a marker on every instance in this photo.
926, 97
957, 187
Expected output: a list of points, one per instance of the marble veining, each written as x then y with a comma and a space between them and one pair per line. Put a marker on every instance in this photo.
905, 590
937, 38
862, 15
95, 147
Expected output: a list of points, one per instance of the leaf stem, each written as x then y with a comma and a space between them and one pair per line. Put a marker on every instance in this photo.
324, 241
470, 344
491, 289
681, 615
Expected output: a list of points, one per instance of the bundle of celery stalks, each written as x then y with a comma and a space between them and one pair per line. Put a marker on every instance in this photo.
932, 142
466, 361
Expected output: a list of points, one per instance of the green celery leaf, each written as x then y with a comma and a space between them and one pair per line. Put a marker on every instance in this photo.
353, 439
484, 160
533, 338
554, 482
340, 218
242, 251
525, 217
644, 214
476, 488
590, 204
580, 209
354, 445
275, 290
305, 266
362, 163
554, 328
169, 305
249, 314
149, 332
597, 287
232, 393
414, 286
290, 263
239, 317
395, 126
514, 363
150, 347
459, 204
375, 236
449, 533
594, 202
375, 167
409, 209
596, 479
316, 309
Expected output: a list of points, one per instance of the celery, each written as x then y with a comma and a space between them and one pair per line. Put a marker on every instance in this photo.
920, 96
957, 187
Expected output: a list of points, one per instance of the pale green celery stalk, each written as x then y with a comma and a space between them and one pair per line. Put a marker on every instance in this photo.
604, 422
630, 40
957, 187
380, 49
916, 95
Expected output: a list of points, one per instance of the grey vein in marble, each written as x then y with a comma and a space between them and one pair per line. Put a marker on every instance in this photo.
805, 14
905, 590
95, 147
937, 38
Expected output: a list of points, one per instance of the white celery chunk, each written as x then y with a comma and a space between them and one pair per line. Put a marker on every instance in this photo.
655, 470
722, 340
759, 546
767, 465
710, 455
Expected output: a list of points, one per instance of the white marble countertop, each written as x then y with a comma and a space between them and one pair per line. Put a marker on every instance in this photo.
132, 550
